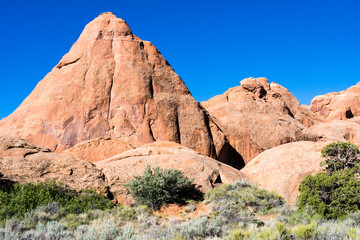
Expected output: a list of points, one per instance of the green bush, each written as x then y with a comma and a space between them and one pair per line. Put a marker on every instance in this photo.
18, 199
158, 187
332, 196
305, 231
336, 192
242, 194
340, 156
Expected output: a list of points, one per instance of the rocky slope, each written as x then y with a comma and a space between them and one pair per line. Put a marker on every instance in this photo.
257, 116
113, 84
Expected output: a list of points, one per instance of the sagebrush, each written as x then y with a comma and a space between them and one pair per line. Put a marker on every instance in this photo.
157, 187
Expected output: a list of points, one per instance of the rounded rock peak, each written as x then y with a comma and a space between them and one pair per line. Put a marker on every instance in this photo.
108, 14
106, 26
252, 83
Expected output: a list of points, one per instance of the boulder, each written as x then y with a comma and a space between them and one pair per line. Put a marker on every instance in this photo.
282, 168
21, 161
205, 171
339, 105
257, 116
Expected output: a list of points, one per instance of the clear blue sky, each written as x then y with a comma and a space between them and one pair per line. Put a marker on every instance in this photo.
310, 47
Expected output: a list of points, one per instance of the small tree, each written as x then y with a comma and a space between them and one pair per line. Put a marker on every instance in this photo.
336, 192
331, 196
340, 156
158, 187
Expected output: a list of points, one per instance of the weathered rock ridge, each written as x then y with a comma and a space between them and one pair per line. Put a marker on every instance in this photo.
22, 161
256, 116
98, 149
113, 84
339, 130
339, 105
205, 171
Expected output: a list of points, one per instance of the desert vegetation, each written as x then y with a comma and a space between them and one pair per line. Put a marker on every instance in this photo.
336, 191
157, 187
328, 208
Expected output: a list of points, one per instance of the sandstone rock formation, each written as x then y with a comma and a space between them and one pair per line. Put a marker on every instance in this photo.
339, 105
113, 84
98, 149
339, 130
205, 171
282, 168
21, 161
256, 116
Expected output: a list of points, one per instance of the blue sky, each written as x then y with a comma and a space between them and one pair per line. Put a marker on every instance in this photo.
310, 47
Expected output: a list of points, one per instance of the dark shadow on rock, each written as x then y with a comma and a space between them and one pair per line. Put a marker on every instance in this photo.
230, 156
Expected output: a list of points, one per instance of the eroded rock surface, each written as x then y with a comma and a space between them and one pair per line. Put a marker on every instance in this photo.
21, 161
282, 168
205, 171
257, 116
339, 105
98, 149
113, 84
339, 130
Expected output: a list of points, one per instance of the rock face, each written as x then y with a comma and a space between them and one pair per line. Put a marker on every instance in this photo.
339, 130
21, 161
338, 106
205, 171
113, 84
281, 169
257, 116
98, 149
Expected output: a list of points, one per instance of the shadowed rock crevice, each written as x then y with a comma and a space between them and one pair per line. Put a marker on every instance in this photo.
349, 114
63, 64
151, 87
231, 157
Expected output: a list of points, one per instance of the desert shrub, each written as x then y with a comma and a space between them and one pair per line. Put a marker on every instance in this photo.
42, 214
237, 234
331, 196
11, 230
50, 230
282, 230
264, 234
18, 199
305, 231
194, 228
233, 202
103, 228
333, 193
340, 156
337, 230
158, 187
